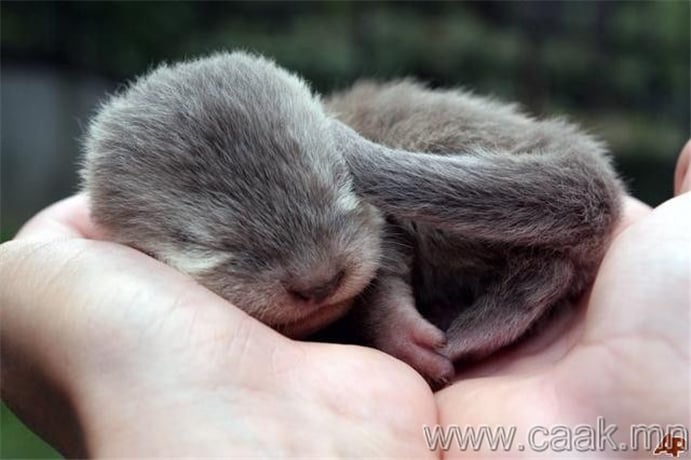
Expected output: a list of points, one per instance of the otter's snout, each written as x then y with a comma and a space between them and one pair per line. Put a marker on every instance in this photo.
316, 292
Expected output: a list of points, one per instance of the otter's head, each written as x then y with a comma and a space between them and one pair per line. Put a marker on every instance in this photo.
225, 168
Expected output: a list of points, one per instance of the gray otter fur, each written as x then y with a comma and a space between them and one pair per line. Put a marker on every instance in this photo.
224, 167
501, 219
229, 169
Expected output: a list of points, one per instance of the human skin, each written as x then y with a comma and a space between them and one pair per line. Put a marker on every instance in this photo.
107, 352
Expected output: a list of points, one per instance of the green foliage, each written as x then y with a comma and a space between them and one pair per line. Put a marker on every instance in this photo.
18, 442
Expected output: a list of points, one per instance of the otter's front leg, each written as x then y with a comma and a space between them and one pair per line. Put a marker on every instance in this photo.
390, 322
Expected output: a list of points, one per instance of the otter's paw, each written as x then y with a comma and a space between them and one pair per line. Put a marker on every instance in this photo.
418, 343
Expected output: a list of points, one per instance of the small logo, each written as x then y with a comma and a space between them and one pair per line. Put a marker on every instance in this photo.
671, 445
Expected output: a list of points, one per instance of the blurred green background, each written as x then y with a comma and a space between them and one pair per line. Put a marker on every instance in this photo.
621, 69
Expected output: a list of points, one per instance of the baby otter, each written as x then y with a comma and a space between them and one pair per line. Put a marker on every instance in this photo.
231, 170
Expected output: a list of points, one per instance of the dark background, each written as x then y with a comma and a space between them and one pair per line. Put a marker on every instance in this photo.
621, 69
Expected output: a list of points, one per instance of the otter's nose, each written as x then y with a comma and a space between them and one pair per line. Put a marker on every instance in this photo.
317, 292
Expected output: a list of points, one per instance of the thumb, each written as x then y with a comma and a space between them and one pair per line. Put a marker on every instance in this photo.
682, 175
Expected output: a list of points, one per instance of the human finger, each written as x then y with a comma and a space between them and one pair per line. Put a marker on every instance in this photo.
682, 173
68, 218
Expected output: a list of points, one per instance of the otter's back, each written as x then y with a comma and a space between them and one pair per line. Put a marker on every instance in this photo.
405, 114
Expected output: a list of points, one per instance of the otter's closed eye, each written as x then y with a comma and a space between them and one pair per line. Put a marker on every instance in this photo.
191, 260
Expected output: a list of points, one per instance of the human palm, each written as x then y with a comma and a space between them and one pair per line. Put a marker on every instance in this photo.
154, 363
622, 354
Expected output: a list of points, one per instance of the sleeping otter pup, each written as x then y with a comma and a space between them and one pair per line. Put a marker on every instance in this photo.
231, 170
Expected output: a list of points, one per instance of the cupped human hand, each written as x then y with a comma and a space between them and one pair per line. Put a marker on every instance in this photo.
623, 356
107, 352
